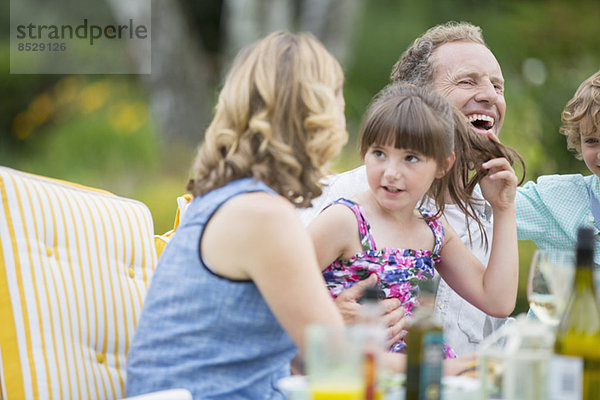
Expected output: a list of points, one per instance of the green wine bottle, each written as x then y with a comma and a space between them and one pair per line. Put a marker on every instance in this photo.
424, 349
575, 369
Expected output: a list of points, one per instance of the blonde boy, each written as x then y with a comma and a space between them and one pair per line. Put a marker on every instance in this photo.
550, 210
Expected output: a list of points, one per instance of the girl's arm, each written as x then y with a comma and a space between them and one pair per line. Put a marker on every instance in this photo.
492, 289
259, 236
334, 234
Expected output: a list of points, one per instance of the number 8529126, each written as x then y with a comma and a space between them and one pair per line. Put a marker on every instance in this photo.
50, 46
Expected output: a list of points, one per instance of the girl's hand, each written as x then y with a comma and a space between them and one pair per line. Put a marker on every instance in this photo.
393, 319
500, 185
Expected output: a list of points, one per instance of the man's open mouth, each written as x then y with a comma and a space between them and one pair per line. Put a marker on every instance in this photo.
481, 121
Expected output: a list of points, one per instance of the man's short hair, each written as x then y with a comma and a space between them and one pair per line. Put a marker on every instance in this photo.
415, 64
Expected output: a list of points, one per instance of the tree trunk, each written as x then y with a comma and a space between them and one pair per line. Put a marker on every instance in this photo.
246, 21
179, 83
332, 21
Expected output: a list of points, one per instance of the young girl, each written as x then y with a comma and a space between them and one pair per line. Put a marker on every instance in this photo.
407, 144
217, 319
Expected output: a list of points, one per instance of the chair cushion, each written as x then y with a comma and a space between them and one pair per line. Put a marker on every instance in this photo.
75, 264
161, 241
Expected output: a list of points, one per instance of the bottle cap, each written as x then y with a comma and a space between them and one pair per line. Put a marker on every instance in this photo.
585, 238
585, 246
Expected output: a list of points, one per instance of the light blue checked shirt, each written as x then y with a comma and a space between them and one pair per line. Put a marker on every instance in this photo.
550, 211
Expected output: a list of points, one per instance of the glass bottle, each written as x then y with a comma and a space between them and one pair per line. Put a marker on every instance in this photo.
370, 317
424, 348
575, 369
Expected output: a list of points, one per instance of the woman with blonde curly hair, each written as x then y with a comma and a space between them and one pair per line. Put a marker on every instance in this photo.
227, 307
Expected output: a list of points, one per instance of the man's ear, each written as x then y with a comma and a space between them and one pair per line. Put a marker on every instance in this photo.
443, 170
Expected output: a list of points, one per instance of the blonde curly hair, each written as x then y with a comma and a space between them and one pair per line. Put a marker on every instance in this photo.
276, 119
581, 115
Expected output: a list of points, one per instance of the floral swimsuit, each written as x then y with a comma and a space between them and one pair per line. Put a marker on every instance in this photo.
398, 270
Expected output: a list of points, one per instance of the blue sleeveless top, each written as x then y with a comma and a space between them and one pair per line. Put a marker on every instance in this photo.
201, 331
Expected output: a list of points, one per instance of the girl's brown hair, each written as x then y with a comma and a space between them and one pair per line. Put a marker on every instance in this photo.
411, 117
276, 119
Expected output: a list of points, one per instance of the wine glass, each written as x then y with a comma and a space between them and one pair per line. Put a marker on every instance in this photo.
549, 285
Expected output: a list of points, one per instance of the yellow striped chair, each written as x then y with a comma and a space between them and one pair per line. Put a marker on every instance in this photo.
75, 264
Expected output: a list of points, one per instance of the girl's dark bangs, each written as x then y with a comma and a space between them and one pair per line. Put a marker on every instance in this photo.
423, 133
409, 124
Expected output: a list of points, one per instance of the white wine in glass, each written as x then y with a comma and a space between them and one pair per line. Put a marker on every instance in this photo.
549, 284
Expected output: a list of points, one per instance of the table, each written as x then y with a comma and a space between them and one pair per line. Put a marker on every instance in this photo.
453, 388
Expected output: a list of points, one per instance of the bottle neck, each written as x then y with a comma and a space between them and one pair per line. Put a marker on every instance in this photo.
584, 277
584, 271
585, 257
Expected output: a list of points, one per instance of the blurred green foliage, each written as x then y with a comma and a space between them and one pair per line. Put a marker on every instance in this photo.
98, 130
94, 131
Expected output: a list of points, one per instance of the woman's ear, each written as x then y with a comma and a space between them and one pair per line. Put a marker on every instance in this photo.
443, 170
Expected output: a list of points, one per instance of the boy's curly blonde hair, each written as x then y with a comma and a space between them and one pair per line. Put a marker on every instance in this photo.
276, 119
581, 115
